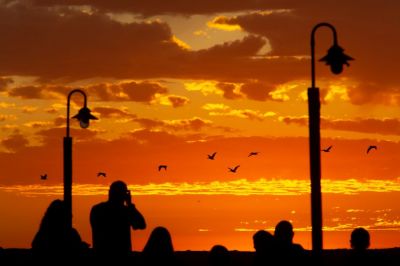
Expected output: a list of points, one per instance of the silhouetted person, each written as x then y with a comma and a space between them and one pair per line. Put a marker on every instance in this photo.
359, 255
359, 239
286, 250
112, 221
219, 256
54, 237
264, 244
159, 249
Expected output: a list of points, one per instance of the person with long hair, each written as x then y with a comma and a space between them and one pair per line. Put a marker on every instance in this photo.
159, 249
54, 236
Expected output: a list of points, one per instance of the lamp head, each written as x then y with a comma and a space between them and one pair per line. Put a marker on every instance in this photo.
336, 59
84, 116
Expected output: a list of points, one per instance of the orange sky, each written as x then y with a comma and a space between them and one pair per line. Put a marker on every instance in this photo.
173, 81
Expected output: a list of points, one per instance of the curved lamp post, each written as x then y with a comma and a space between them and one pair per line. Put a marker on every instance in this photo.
84, 116
335, 59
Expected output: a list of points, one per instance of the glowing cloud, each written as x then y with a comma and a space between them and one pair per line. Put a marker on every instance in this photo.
173, 100
225, 110
205, 87
337, 91
240, 187
220, 23
180, 43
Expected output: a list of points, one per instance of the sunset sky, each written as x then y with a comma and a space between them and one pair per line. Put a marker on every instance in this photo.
173, 81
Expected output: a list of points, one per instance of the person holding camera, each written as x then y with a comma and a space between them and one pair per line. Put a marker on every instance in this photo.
111, 222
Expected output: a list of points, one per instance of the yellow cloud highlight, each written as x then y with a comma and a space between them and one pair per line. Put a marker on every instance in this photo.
188, 124
180, 43
56, 107
385, 225
282, 92
38, 124
172, 100
163, 100
205, 87
215, 107
354, 210
219, 109
245, 113
275, 11
7, 105
29, 109
201, 33
338, 227
240, 187
245, 230
220, 23
338, 91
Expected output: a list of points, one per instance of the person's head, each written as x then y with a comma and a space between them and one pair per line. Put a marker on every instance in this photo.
118, 192
219, 256
55, 216
359, 239
159, 243
284, 232
262, 241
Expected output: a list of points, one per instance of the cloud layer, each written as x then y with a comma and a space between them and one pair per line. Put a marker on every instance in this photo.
137, 155
78, 43
241, 187
389, 126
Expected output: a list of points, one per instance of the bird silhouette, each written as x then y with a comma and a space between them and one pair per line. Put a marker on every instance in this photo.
233, 170
371, 147
253, 153
212, 156
327, 149
160, 167
101, 174
43, 177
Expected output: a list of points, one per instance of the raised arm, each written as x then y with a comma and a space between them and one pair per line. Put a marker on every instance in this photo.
136, 219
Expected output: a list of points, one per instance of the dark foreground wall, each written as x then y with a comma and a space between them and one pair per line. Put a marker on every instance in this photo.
390, 257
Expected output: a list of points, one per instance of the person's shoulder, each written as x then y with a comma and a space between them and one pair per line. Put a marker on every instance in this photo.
297, 247
74, 231
99, 206
75, 234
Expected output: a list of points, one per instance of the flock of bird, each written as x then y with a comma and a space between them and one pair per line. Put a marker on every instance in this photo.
212, 157
254, 153
371, 147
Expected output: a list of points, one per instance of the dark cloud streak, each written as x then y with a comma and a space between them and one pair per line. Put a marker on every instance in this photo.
144, 92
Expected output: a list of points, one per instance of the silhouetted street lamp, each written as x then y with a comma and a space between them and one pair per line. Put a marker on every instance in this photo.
84, 116
335, 59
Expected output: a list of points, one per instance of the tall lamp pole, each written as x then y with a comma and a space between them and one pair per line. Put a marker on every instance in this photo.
335, 59
84, 116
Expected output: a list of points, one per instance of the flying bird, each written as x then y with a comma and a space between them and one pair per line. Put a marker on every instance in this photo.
101, 174
43, 177
212, 156
371, 147
327, 149
233, 170
160, 167
253, 153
